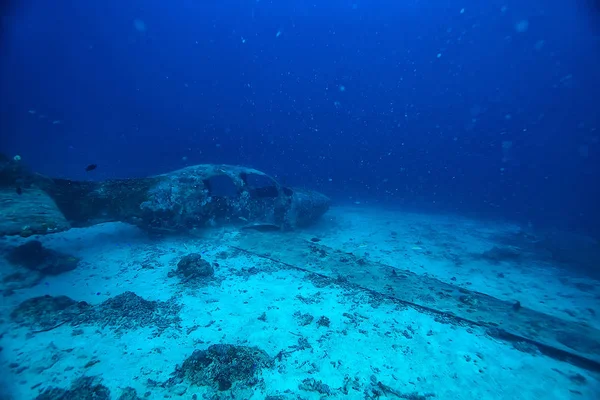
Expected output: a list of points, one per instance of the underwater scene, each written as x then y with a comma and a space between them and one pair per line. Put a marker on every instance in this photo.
299, 200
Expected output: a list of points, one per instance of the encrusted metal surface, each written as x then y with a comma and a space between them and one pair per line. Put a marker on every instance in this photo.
194, 197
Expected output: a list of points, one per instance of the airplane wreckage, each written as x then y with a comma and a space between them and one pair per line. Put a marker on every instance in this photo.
193, 197
212, 195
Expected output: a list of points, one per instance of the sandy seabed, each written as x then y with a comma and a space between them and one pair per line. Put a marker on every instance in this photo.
320, 338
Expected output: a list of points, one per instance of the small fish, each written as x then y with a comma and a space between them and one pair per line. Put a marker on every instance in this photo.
91, 167
19, 190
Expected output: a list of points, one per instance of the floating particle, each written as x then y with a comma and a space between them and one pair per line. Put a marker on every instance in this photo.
439, 55
278, 34
139, 25
56, 122
522, 26
342, 88
539, 44
31, 112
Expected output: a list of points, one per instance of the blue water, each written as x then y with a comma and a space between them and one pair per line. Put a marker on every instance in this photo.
399, 102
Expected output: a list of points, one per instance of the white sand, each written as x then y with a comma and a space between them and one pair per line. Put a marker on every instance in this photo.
452, 362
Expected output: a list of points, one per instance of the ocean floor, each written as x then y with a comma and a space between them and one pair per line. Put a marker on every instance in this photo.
198, 317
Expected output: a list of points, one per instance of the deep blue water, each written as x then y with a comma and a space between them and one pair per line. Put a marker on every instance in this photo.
483, 108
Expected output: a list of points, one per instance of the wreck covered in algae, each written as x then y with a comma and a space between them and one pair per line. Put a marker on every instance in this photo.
194, 197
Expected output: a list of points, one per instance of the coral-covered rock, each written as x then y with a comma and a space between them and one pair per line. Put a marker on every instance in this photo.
193, 267
34, 256
223, 365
